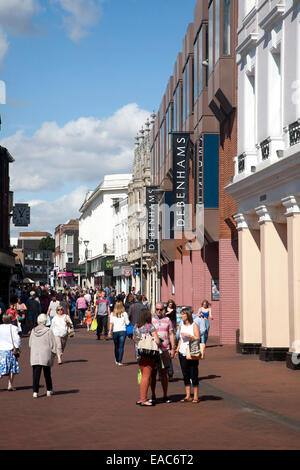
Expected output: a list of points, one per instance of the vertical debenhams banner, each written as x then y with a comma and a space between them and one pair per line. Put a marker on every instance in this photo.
181, 166
152, 208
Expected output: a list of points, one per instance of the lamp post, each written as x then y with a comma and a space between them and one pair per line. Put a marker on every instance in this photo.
86, 242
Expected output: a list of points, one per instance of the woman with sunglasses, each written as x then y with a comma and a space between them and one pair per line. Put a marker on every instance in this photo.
188, 331
59, 326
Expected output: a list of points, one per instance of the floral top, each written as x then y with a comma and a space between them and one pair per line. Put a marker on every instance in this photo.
138, 332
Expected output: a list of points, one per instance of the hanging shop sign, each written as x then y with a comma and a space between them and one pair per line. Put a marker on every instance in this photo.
152, 208
181, 161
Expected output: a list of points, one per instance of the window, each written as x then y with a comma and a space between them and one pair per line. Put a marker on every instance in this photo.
177, 108
169, 119
70, 239
70, 257
226, 27
184, 94
162, 143
38, 256
196, 69
210, 38
217, 30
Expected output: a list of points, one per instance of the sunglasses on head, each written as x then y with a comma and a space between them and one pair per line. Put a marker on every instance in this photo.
160, 309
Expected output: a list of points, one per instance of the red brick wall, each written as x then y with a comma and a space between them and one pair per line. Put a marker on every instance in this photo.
229, 291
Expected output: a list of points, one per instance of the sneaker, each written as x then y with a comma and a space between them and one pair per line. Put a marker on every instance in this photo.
49, 393
35, 395
119, 363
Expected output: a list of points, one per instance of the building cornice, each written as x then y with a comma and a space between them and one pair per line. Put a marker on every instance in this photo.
273, 17
272, 176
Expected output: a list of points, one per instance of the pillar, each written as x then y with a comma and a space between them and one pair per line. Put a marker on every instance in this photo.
274, 286
249, 286
293, 236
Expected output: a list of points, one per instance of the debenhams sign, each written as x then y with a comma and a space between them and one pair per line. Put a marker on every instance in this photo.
152, 220
181, 157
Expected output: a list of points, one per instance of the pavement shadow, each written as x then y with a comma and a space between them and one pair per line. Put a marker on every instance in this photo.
130, 363
66, 392
214, 346
210, 398
76, 360
210, 377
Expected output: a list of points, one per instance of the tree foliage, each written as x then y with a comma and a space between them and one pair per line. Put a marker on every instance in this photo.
48, 244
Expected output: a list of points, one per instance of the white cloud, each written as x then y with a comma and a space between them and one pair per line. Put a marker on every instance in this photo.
46, 215
81, 16
17, 15
3, 44
81, 152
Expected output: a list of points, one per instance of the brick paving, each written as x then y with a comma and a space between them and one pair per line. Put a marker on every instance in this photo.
245, 404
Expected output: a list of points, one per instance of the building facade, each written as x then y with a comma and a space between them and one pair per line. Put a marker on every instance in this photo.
96, 230
122, 270
67, 271
37, 263
199, 108
266, 183
143, 263
7, 259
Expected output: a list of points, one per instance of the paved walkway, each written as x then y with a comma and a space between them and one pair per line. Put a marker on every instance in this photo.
245, 404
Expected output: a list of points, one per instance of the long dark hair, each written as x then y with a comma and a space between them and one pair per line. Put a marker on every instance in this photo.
144, 317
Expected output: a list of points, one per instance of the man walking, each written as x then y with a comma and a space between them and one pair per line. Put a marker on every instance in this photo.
102, 312
134, 309
164, 328
33, 310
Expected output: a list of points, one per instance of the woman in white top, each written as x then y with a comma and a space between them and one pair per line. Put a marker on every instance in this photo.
59, 326
9, 338
118, 322
188, 331
52, 309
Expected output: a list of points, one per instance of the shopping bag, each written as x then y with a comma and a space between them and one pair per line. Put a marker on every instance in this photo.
129, 329
139, 377
94, 325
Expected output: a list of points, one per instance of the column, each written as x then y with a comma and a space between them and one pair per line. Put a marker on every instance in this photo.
249, 286
274, 286
293, 235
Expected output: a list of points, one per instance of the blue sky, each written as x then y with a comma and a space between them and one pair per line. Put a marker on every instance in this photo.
88, 67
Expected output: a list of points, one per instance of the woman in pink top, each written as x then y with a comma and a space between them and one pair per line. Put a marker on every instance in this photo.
81, 307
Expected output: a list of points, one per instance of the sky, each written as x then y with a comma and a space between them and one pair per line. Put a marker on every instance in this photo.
81, 77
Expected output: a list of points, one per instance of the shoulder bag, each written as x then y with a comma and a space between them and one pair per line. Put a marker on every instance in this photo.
193, 351
147, 345
16, 351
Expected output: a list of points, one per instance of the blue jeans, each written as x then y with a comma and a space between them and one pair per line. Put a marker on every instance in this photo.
204, 336
119, 340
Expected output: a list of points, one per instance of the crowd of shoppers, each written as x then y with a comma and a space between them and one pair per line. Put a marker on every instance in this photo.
49, 317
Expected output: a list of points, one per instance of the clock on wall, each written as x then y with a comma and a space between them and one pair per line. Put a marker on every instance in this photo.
21, 215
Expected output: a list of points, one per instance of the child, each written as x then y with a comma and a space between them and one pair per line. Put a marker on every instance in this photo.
88, 320
14, 314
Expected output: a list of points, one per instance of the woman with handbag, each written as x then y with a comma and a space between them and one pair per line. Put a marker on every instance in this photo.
117, 330
147, 357
10, 343
60, 326
189, 332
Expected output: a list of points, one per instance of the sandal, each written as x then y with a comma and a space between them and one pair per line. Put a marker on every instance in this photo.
146, 403
186, 400
195, 401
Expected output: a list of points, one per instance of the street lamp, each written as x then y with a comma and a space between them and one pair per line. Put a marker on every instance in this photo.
86, 242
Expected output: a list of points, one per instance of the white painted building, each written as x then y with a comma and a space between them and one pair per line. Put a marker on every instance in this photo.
122, 270
267, 176
96, 229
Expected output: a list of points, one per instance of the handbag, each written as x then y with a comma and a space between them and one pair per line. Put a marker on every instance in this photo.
193, 351
71, 331
16, 351
147, 345
129, 329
